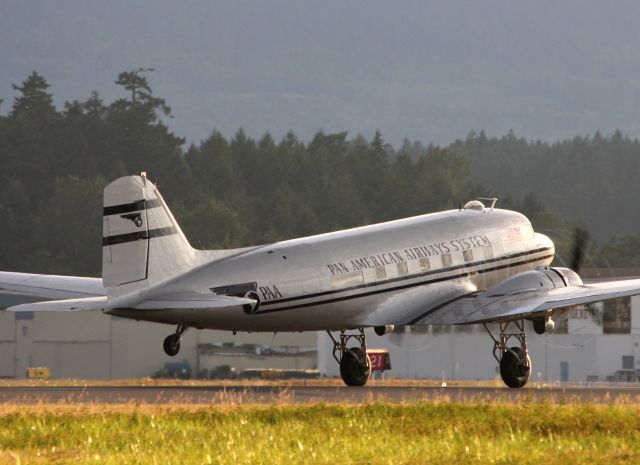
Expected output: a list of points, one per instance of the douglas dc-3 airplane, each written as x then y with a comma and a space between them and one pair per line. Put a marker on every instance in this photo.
474, 265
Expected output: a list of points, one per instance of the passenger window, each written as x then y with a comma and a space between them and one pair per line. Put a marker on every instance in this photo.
381, 273
349, 279
403, 269
488, 251
424, 264
446, 259
467, 255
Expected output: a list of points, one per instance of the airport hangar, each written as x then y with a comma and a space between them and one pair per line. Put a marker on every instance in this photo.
596, 343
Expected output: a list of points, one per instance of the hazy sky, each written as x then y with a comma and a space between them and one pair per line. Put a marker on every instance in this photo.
426, 70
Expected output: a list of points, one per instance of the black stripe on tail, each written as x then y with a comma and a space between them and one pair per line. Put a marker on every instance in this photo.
138, 236
132, 207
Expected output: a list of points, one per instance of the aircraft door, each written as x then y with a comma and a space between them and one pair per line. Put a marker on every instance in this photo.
24, 343
125, 243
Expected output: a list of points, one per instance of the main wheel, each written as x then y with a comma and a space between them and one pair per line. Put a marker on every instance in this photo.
514, 371
539, 325
355, 367
171, 344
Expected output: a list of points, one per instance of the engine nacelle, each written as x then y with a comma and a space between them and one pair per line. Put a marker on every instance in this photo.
543, 277
382, 330
549, 324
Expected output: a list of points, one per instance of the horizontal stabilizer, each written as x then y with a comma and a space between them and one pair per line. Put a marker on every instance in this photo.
176, 301
194, 301
70, 305
50, 286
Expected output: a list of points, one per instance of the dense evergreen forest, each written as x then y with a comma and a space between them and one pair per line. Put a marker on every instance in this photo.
242, 191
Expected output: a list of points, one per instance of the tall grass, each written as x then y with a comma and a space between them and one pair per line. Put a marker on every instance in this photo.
377, 433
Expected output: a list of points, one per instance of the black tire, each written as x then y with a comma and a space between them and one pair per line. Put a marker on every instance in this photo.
171, 345
352, 370
513, 370
539, 325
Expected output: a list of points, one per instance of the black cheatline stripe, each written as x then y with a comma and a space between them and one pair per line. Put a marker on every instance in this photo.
138, 236
131, 207
408, 277
443, 304
405, 286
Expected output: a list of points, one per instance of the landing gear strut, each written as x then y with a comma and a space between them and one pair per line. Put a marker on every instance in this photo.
355, 366
171, 343
514, 362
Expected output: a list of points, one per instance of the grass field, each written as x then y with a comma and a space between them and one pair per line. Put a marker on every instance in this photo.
323, 381
377, 433
334, 381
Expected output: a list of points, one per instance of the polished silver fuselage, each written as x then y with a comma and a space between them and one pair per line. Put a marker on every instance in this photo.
387, 273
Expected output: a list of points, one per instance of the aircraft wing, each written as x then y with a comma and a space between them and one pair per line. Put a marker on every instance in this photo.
50, 286
67, 305
481, 308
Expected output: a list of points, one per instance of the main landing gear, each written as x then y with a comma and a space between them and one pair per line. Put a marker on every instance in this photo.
514, 362
171, 343
355, 366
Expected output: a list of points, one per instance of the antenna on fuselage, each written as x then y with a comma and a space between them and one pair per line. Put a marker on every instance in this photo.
493, 201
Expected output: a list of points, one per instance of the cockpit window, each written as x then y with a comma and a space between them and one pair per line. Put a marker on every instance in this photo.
527, 231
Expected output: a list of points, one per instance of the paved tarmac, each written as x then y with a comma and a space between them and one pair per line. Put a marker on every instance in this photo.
240, 394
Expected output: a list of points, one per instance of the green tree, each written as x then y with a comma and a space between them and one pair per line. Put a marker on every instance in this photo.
20, 241
140, 141
73, 220
34, 102
32, 136
212, 225
621, 251
290, 217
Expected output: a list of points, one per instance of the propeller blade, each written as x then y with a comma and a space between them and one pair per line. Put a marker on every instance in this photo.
580, 244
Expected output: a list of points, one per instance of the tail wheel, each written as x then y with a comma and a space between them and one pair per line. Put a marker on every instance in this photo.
355, 367
515, 367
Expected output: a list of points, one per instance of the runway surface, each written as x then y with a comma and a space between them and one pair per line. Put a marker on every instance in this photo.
307, 394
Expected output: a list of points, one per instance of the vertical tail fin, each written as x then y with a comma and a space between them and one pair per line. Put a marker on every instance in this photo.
141, 242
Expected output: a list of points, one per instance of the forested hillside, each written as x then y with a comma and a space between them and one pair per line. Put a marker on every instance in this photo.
224, 192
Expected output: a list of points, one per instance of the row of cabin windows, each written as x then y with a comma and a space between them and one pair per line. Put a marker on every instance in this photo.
380, 272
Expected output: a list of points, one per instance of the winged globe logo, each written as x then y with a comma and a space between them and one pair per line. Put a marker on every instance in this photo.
136, 218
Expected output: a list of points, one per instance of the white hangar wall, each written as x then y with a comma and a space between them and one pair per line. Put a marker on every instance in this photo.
92, 345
